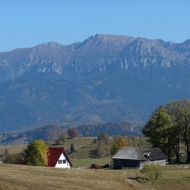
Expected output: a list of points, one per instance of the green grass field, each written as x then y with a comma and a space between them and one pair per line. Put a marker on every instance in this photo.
83, 146
86, 162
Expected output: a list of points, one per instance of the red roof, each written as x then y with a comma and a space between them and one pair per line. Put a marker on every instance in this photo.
54, 155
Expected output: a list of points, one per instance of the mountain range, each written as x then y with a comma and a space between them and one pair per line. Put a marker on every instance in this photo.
105, 78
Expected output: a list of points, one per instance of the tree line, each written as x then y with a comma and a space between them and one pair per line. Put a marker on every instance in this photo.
52, 132
107, 146
46, 133
111, 128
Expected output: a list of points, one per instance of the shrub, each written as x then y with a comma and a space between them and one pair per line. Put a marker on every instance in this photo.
152, 171
13, 159
103, 150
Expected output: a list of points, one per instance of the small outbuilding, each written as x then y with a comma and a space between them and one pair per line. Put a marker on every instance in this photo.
58, 158
128, 157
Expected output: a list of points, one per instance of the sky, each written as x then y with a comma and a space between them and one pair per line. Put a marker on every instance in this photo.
27, 23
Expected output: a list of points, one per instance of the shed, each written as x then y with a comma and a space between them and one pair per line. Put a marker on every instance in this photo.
58, 158
129, 157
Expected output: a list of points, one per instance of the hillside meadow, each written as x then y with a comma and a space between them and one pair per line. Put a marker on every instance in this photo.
85, 152
84, 146
22, 177
175, 177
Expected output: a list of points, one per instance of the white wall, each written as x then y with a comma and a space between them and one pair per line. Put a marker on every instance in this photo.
63, 165
160, 162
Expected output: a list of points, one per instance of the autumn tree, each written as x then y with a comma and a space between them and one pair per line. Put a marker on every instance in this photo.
46, 133
118, 142
72, 132
36, 153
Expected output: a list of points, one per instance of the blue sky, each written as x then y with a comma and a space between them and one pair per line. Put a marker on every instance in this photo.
27, 23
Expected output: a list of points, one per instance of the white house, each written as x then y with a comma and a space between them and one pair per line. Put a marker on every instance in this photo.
58, 158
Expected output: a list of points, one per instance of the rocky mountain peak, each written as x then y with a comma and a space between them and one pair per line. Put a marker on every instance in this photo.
118, 38
104, 78
50, 44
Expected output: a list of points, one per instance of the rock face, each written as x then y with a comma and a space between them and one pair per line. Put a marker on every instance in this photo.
104, 78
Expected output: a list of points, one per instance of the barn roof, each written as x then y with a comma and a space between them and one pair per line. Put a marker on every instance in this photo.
131, 153
128, 153
54, 155
155, 154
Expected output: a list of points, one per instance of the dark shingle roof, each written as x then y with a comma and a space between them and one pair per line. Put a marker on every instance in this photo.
155, 154
131, 153
128, 153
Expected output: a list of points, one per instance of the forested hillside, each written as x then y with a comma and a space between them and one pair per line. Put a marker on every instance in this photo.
105, 78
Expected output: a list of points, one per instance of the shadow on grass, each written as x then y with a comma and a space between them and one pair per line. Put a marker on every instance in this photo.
93, 154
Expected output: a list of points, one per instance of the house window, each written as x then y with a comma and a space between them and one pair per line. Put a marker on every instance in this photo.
64, 161
59, 161
147, 155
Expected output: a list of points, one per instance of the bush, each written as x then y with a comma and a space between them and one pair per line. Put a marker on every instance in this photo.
13, 159
152, 171
62, 138
103, 150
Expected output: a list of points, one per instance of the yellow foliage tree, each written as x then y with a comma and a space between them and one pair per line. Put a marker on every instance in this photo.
36, 153
117, 144
121, 142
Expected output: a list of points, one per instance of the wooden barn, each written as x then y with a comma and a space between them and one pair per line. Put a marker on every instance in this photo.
128, 157
58, 158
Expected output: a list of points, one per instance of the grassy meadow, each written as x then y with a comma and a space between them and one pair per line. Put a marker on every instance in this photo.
13, 149
175, 177
86, 162
22, 177
84, 156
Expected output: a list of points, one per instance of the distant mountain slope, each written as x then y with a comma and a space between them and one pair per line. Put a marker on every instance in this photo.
104, 78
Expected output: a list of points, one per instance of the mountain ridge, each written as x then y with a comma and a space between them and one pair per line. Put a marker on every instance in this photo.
102, 79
